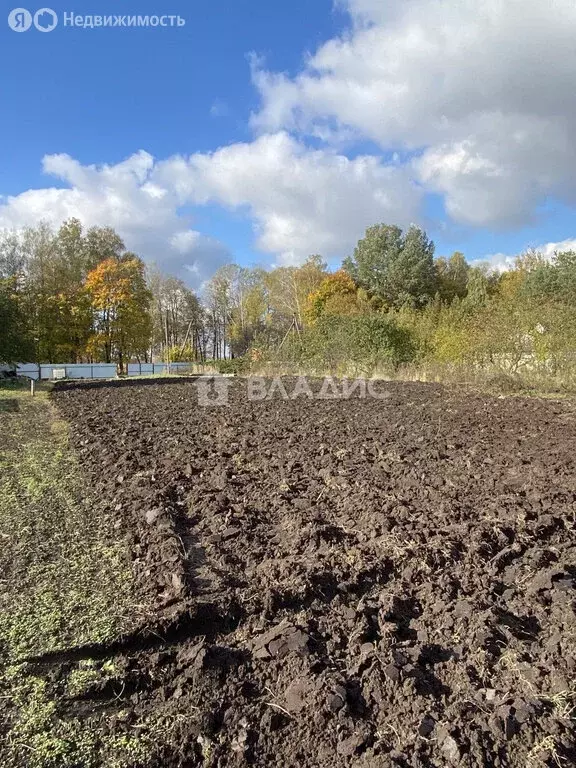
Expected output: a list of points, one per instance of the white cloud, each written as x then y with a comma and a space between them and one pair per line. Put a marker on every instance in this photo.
549, 249
503, 261
184, 242
497, 262
483, 91
126, 197
302, 201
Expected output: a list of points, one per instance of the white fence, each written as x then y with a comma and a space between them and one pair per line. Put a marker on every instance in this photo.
102, 370
71, 370
159, 369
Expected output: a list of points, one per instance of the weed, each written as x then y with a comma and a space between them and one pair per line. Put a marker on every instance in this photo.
563, 703
544, 750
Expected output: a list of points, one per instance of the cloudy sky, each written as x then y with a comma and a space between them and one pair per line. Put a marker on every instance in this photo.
264, 131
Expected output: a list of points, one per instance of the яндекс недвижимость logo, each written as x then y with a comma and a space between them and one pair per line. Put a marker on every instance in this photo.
45, 20
20, 20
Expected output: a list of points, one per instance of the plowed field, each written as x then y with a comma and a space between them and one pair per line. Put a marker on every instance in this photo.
367, 582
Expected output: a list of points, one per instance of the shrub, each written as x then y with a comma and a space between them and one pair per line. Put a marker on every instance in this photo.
237, 365
354, 343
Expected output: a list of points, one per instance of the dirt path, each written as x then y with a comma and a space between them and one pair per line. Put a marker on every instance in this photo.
382, 582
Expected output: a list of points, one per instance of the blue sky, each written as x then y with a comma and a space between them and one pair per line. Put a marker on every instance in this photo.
101, 94
273, 129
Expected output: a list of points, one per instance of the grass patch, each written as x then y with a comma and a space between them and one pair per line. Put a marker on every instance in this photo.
65, 580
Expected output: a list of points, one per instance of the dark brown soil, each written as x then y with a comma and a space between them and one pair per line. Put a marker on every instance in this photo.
367, 582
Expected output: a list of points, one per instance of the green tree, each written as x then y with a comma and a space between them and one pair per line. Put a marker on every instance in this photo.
452, 277
15, 342
396, 267
354, 343
554, 279
480, 286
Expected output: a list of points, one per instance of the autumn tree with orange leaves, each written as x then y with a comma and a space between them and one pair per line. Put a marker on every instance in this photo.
337, 294
121, 301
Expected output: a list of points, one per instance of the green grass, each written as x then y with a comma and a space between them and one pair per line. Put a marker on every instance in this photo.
65, 580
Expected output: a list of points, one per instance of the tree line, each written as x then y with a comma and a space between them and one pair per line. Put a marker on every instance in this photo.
72, 295
75, 295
